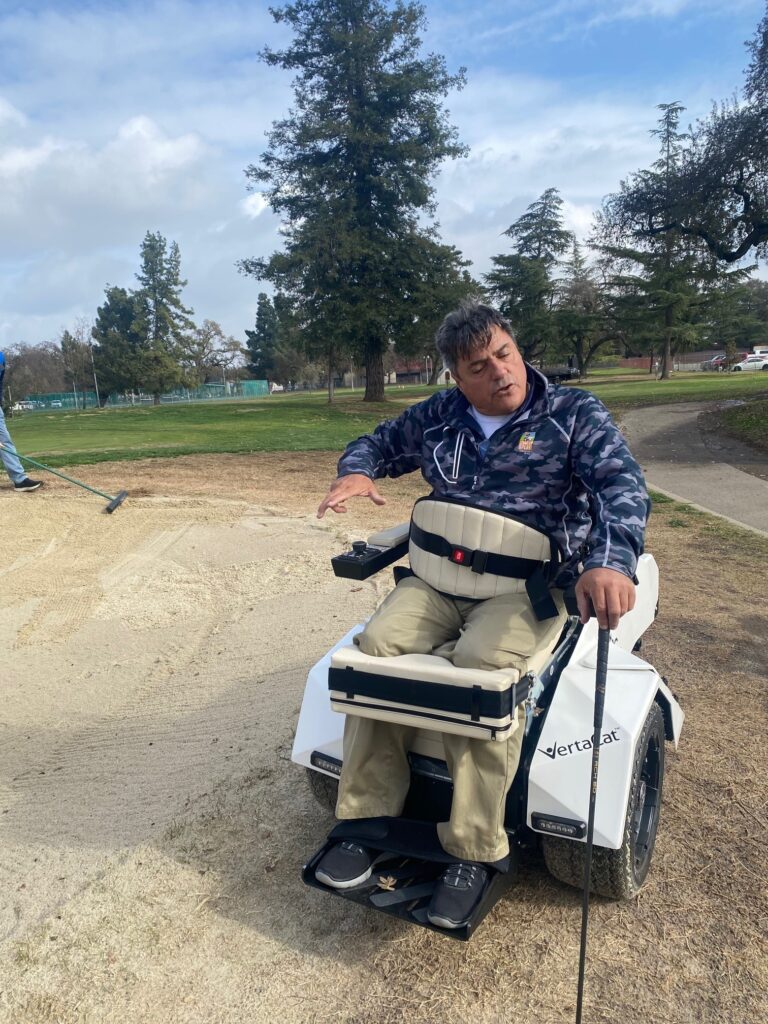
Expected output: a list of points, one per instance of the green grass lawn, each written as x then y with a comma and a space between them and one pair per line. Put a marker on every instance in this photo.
644, 390
295, 422
299, 422
748, 422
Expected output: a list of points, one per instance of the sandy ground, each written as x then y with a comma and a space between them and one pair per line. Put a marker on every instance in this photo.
152, 826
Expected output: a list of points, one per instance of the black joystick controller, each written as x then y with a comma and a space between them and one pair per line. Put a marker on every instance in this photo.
364, 560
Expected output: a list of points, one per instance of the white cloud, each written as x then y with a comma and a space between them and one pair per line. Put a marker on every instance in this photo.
63, 193
9, 115
254, 205
18, 161
153, 156
116, 119
526, 135
487, 22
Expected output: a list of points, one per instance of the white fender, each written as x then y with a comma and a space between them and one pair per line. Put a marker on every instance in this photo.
320, 728
560, 772
632, 625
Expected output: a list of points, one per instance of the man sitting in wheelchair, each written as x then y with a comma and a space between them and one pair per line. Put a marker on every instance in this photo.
540, 477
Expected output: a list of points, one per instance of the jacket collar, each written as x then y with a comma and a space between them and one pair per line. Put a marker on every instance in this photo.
459, 416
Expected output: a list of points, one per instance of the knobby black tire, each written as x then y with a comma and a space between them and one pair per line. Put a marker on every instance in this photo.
325, 788
614, 873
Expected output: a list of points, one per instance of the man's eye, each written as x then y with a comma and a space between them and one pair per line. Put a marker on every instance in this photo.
478, 369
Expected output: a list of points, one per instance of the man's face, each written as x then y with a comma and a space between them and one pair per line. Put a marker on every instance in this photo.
493, 379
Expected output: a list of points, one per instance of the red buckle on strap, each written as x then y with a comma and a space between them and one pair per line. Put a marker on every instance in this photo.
461, 556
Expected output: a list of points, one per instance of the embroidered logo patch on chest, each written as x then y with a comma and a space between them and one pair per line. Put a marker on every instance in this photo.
525, 444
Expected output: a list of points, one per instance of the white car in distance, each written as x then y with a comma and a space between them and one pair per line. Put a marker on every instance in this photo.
751, 363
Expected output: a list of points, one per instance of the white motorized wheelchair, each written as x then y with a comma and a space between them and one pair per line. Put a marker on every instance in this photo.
547, 806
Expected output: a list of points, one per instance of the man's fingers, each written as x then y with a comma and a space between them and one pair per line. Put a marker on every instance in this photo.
598, 603
337, 504
584, 605
613, 608
352, 486
609, 593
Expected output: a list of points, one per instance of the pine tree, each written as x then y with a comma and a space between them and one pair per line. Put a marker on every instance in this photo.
539, 233
667, 270
350, 171
162, 320
579, 318
262, 340
119, 349
437, 287
523, 283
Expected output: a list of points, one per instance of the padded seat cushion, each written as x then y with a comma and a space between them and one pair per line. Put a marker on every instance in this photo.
426, 691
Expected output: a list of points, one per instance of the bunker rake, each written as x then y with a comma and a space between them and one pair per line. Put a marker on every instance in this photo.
109, 508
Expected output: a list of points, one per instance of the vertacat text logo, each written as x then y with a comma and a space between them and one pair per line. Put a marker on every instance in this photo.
564, 749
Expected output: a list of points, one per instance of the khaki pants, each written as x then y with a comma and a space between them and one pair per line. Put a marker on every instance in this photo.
497, 633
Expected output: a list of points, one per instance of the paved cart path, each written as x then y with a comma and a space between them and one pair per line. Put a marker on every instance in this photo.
681, 458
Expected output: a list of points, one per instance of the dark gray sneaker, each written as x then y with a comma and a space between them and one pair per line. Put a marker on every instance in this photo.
456, 895
344, 866
28, 485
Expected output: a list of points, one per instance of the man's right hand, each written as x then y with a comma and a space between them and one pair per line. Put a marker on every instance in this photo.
353, 485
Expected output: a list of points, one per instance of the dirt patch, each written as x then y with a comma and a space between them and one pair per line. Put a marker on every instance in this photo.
154, 826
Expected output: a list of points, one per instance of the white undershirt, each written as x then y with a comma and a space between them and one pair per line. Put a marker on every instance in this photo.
490, 424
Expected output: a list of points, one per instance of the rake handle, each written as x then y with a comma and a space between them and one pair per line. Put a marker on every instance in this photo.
47, 469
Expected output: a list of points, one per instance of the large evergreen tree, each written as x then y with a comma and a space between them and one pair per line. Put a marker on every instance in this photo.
119, 349
162, 320
523, 283
736, 313
261, 341
440, 283
580, 317
666, 269
350, 171
539, 234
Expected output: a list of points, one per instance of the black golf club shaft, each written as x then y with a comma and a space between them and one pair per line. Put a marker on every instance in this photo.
601, 675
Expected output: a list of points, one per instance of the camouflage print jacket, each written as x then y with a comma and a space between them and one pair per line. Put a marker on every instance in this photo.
561, 465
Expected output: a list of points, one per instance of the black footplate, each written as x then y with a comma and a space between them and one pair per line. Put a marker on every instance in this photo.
363, 560
410, 862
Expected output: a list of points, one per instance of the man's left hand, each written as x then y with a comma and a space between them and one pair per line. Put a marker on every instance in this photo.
610, 593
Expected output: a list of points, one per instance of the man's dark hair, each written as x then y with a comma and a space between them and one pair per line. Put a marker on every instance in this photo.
468, 329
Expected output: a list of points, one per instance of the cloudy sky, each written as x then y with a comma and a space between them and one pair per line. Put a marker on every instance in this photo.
122, 116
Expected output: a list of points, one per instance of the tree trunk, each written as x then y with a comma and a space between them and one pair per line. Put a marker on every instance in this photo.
651, 361
582, 359
666, 359
374, 372
330, 376
156, 399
